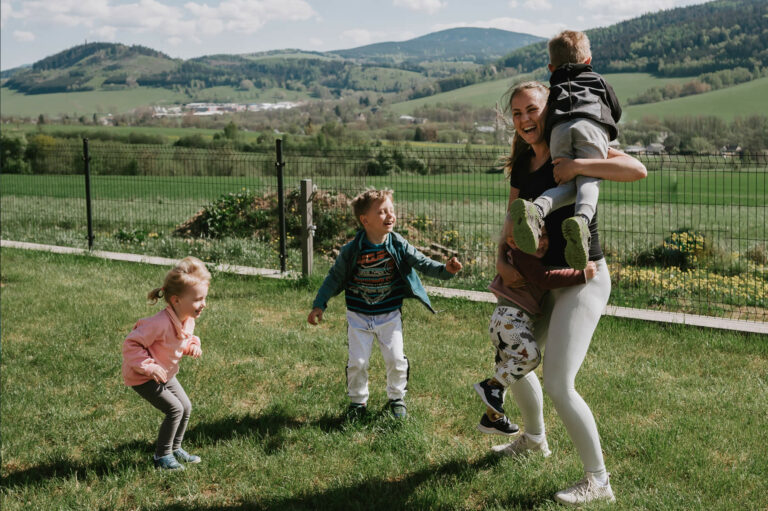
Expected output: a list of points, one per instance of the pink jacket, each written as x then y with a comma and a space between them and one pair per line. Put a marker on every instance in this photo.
159, 340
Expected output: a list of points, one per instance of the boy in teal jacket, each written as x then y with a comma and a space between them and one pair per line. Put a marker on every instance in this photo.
376, 271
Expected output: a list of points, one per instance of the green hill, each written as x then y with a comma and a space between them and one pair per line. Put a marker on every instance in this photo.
685, 41
740, 100
463, 44
88, 67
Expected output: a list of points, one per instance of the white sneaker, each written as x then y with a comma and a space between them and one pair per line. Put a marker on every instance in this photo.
586, 490
523, 445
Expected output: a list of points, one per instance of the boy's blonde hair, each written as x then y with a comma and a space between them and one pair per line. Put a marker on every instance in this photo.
362, 203
569, 46
187, 273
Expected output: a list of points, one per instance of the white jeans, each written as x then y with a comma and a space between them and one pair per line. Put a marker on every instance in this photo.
361, 330
564, 332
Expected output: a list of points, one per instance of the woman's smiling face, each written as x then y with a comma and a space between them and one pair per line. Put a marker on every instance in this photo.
528, 115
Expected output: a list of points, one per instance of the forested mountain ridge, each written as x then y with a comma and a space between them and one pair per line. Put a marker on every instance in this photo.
684, 41
459, 44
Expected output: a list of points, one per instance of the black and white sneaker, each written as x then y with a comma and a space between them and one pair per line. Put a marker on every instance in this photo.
491, 395
501, 426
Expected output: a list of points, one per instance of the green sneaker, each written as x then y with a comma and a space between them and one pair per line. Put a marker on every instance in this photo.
527, 223
398, 409
181, 454
356, 411
168, 462
576, 233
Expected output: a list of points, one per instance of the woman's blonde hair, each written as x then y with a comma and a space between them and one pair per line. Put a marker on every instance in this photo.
519, 146
187, 273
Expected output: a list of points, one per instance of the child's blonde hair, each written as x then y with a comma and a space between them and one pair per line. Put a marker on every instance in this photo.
187, 273
362, 203
569, 46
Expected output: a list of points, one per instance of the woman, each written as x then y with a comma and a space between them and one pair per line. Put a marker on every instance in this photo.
570, 314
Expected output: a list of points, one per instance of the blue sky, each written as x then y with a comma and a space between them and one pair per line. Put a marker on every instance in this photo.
34, 29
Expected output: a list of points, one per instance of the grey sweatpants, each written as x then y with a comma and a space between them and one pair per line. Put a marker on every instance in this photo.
170, 399
564, 333
577, 138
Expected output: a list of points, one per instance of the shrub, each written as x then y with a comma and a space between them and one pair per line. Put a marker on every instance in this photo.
683, 248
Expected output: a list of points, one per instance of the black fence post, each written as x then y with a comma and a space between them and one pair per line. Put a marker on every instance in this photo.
279, 163
87, 166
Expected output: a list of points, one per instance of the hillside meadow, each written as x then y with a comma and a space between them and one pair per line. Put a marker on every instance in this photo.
486, 94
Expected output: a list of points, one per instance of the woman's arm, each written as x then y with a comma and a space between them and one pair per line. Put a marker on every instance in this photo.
618, 166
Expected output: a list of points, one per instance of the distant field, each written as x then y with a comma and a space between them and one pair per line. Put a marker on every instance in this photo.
85, 103
741, 100
121, 101
744, 99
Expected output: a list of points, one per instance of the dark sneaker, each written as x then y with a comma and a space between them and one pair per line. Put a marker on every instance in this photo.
356, 411
576, 233
501, 426
398, 409
182, 455
168, 462
527, 223
491, 395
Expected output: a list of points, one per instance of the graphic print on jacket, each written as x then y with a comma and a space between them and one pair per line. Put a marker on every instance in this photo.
376, 286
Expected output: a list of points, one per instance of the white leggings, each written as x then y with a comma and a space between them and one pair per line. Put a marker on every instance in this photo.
564, 333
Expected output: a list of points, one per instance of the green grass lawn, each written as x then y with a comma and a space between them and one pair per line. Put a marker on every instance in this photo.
681, 411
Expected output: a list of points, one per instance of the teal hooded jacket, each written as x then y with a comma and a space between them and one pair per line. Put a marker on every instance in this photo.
406, 257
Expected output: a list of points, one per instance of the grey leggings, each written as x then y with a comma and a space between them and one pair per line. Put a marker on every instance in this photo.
565, 331
170, 399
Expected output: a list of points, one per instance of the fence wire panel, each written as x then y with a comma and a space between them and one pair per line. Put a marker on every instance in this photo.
47, 206
447, 201
691, 237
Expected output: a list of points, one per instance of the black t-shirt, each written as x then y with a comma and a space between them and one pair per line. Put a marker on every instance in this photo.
533, 184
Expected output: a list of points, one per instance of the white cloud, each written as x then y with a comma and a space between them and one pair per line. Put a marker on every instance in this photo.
105, 33
513, 4
175, 41
316, 42
107, 17
632, 7
358, 36
6, 11
23, 36
538, 5
428, 6
512, 24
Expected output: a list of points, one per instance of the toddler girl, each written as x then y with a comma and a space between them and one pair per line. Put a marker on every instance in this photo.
152, 351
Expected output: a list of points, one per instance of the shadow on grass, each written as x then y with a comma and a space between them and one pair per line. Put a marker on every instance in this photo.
117, 459
271, 426
386, 493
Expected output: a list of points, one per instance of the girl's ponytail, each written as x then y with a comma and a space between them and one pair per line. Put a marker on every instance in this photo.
155, 295
187, 272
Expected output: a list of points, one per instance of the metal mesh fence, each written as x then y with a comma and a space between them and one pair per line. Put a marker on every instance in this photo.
691, 237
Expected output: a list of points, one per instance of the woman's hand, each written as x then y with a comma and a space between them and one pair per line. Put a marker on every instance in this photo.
565, 169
